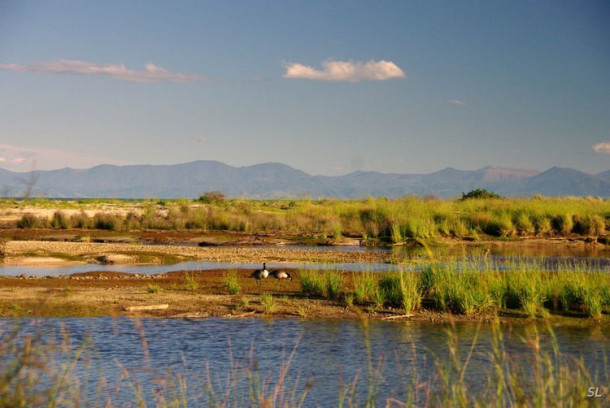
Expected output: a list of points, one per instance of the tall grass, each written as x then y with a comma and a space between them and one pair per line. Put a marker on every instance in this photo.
392, 221
231, 282
312, 282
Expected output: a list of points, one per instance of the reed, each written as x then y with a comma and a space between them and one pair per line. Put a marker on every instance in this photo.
268, 303
365, 284
231, 282
190, 282
387, 220
312, 283
334, 284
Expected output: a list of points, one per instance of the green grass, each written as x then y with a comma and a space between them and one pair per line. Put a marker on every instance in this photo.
312, 282
153, 288
190, 283
381, 219
334, 284
230, 282
365, 284
268, 303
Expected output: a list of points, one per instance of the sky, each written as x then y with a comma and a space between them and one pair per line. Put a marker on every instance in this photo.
327, 87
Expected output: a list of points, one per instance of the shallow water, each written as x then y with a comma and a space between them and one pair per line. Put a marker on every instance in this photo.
499, 258
329, 354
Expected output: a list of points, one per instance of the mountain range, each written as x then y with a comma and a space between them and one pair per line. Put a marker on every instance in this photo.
276, 180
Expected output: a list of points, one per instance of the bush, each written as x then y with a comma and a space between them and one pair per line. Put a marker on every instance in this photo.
479, 193
61, 220
110, 222
212, 197
31, 221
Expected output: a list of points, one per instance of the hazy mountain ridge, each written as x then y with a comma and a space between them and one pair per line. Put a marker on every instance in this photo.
270, 180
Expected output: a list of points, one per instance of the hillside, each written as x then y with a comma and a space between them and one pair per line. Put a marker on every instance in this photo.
272, 180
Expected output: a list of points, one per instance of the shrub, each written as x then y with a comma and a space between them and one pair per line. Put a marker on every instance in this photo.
30, 221
105, 221
479, 193
81, 220
60, 220
212, 197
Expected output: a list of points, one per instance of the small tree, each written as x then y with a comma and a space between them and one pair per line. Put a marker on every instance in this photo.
211, 197
479, 193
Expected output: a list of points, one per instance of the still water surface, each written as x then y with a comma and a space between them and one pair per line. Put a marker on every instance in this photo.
329, 354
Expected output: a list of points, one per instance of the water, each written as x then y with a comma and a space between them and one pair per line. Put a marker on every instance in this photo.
499, 259
329, 354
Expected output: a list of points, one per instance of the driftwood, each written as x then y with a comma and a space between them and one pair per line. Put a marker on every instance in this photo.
405, 316
241, 315
147, 307
190, 315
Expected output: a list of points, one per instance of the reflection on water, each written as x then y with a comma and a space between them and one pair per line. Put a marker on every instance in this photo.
329, 353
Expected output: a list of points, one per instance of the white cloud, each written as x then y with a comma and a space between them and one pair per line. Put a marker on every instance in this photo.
457, 102
346, 71
202, 139
151, 72
603, 147
19, 158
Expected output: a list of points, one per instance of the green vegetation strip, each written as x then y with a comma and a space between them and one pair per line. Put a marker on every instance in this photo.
461, 287
374, 220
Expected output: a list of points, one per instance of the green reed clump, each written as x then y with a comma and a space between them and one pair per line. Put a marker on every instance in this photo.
268, 303
334, 284
153, 288
190, 283
410, 290
401, 289
464, 293
390, 289
526, 290
231, 282
365, 284
312, 282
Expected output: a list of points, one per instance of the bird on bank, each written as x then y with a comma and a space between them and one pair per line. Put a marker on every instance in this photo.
260, 274
280, 274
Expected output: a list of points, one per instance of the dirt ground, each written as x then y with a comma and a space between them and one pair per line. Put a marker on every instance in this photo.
170, 295
116, 293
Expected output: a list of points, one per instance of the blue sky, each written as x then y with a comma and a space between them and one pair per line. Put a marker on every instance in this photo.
328, 87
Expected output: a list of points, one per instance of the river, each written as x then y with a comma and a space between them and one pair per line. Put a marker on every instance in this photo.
329, 356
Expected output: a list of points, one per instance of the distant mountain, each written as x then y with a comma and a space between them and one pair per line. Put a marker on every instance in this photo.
605, 175
272, 180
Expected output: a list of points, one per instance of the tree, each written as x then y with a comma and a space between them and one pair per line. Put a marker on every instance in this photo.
479, 193
212, 197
